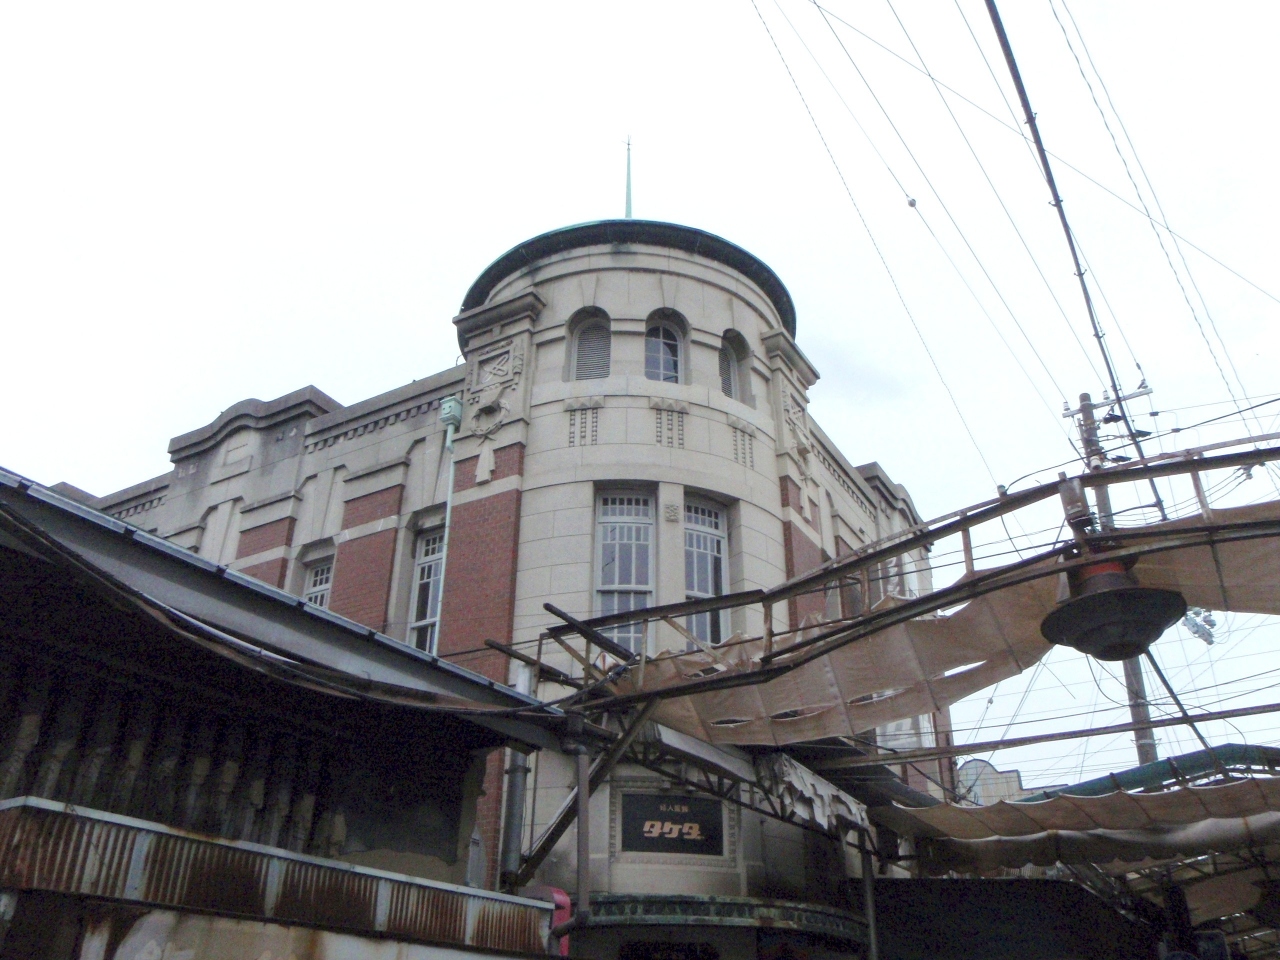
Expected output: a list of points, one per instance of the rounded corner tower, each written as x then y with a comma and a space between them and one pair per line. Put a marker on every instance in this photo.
637, 367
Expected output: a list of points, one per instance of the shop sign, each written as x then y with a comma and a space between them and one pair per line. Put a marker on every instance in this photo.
670, 823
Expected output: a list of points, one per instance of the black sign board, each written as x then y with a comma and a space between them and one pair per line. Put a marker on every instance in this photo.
670, 823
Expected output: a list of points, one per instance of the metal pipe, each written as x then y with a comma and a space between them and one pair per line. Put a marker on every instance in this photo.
1030, 117
1095, 460
573, 803
972, 749
451, 417
514, 800
869, 898
584, 836
1187, 766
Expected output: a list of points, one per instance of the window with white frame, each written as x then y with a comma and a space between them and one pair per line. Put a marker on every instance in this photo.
662, 353
704, 557
591, 352
319, 578
424, 611
624, 561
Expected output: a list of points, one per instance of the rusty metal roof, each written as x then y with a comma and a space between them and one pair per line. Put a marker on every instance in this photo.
60, 848
230, 601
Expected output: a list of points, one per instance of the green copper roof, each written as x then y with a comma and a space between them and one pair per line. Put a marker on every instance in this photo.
649, 232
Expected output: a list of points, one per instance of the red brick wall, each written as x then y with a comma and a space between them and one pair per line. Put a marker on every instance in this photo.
272, 572
479, 603
852, 602
480, 580
372, 506
362, 578
791, 495
278, 533
802, 555
508, 461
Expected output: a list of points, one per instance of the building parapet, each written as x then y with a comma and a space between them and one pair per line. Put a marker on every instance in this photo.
258, 414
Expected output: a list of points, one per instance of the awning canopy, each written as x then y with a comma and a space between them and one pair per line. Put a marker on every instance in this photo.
1228, 561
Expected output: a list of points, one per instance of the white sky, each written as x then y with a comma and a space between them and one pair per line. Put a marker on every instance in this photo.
203, 204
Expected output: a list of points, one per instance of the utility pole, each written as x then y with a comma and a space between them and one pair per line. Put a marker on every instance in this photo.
1139, 708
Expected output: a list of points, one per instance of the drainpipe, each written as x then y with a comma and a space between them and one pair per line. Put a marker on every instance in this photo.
574, 746
513, 812
451, 417
869, 896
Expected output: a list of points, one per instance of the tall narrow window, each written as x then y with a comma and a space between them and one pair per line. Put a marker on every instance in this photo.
319, 578
704, 553
624, 578
662, 354
591, 359
728, 372
428, 565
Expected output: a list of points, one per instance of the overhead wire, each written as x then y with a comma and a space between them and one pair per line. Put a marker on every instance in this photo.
1032, 153
876, 246
1164, 220
929, 227
1014, 128
1150, 219
995, 192
1124, 162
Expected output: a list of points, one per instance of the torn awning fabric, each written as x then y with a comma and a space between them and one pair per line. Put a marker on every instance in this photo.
925, 664
1129, 828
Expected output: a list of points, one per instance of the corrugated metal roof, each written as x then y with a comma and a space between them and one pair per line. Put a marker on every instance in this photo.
57, 847
20, 490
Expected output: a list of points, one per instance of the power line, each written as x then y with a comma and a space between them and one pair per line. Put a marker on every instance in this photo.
999, 199
1142, 200
1013, 128
924, 220
996, 80
884, 263
1154, 196
1066, 229
1163, 218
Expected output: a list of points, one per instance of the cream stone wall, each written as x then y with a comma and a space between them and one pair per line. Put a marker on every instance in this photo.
583, 437
302, 458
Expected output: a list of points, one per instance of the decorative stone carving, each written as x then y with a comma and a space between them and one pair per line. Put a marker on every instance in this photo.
799, 442
495, 374
662, 403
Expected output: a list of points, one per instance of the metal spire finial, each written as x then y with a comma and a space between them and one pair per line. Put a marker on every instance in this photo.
628, 213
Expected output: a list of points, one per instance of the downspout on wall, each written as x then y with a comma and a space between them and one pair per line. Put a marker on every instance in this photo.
451, 417
513, 811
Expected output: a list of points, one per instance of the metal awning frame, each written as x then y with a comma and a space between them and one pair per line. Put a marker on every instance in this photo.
1082, 549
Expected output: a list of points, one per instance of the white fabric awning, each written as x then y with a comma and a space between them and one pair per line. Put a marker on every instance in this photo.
925, 664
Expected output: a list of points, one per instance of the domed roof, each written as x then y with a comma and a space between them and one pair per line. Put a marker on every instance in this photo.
650, 232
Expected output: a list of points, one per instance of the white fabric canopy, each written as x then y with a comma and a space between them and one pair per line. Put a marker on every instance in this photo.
926, 664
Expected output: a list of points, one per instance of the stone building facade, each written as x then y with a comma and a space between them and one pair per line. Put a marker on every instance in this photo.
634, 430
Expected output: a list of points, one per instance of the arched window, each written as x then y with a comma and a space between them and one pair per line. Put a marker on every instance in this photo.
734, 370
662, 353
591, 356
728, 372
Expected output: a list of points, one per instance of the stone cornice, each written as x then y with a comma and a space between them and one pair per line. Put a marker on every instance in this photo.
307, 402
779, 343
471, 322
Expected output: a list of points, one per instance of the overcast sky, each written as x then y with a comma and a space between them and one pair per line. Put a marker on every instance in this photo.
204, 204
